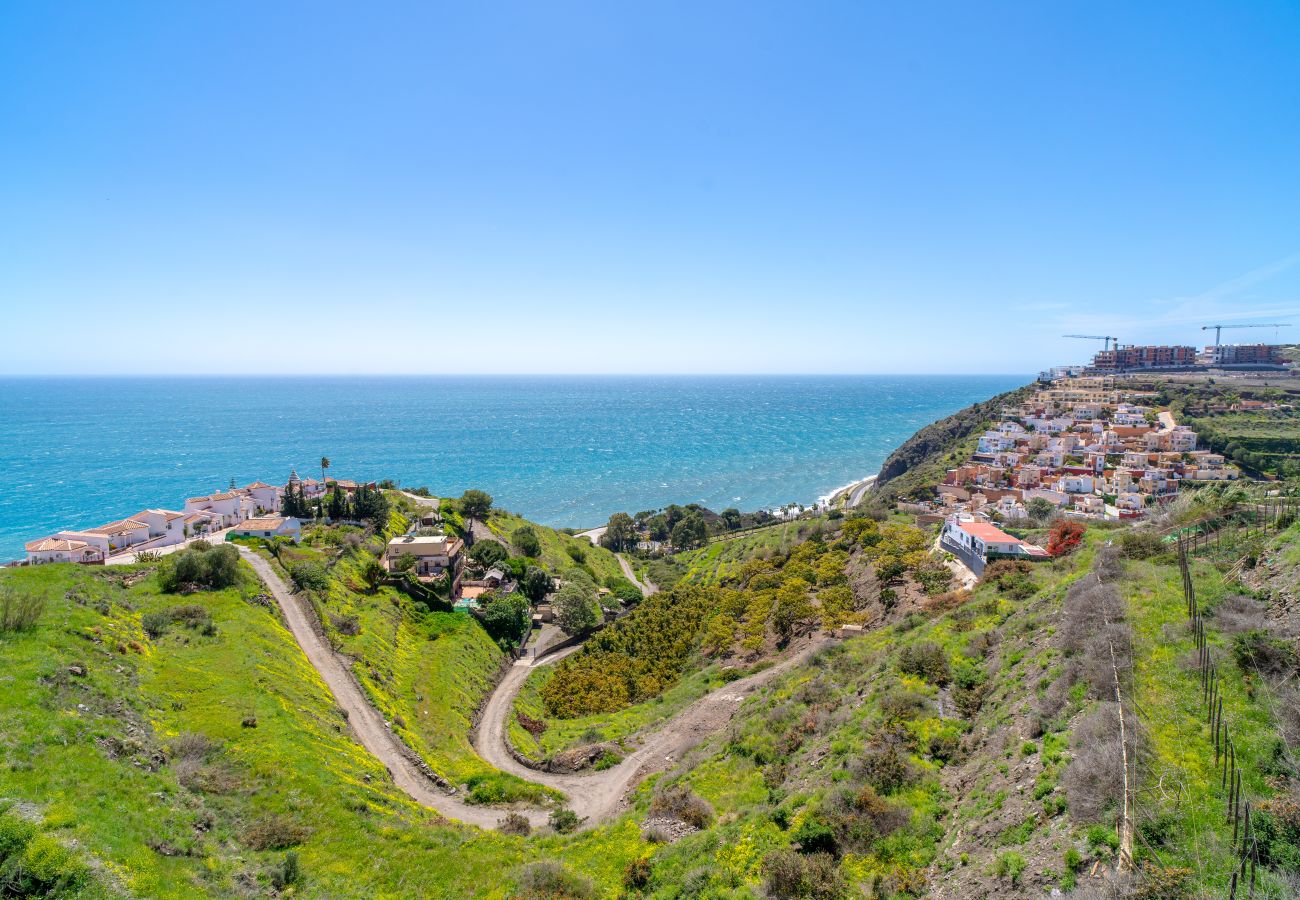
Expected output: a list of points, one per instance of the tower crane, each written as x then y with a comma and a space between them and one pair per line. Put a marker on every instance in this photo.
1104, 338
1218, 328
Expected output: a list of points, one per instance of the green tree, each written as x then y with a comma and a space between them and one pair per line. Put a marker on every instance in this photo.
475, 504
324, 464
536, 584
526, 541
731, 518
487, 553
620, 534
690, 532
1040, 508
576, 609
372, 572
506, 619
793, 609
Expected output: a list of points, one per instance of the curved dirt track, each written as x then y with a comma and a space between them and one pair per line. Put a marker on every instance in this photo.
593, 795
647, 587
363, 719
597, 795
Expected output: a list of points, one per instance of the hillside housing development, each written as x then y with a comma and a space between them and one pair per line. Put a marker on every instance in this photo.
1081, 446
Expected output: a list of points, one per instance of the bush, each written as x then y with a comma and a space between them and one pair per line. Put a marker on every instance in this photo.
289, 872
200, 566
1269, 656
525, 540
926, 660
514, 823
551, 880
1135, 544
1102, 840
885, 766
637, 874
1065, 538
815, 836
679, 802
488, 553
155, 624
564, 820
275, 832
309, 576
19, 611
1009, 865
789, 874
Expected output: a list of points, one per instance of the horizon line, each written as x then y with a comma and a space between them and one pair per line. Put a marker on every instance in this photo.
50, 375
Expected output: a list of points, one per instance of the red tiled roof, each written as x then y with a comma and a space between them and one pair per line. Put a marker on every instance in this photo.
989, 534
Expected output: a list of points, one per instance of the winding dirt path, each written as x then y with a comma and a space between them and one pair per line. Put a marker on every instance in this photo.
647, 587
597, 795
364, 720
593, 795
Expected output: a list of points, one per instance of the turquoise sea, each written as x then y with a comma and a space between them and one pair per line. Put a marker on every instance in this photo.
566, 451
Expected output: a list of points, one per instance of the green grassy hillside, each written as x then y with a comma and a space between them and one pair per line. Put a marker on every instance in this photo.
192, 763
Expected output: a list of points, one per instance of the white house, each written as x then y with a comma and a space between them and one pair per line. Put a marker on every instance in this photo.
266, 496
1075, 484
981, 538
232, 507
62, 550
434, 554
268, 527
995, 442
166, 527
123, 533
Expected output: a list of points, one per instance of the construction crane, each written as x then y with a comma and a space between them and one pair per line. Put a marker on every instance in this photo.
1218, 328
1104, 338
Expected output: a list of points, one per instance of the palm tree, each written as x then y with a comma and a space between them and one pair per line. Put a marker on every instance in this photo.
324, 464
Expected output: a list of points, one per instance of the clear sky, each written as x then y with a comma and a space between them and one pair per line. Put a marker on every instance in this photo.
653, 187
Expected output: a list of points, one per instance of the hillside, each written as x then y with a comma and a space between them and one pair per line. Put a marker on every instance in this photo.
919, 463
962, 744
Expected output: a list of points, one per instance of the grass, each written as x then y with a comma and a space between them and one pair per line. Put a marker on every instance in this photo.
711, 563
89, 757
562, 734
1182, 755
597, 561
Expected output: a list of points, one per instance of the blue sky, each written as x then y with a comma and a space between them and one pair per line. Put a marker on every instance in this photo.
666, 187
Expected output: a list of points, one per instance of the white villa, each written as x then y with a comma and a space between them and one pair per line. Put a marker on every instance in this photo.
62, 550
269, 527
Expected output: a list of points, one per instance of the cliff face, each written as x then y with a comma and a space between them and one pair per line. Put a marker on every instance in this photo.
918, 464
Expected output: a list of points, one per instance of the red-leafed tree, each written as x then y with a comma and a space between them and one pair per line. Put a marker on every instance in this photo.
1065, 537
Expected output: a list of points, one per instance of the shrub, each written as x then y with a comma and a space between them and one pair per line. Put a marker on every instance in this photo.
1094, 779
1102, 840
564, 820
1009, 865
637, 874
348, 625
19, 610
926, 660
789, 874
199, 566
1135, 544
885, 766
815, 836
309, 576
514, 823
549, 879
1269, 656
679, 802
288, 873
1065, 538
155, 624
526, 541
275, 831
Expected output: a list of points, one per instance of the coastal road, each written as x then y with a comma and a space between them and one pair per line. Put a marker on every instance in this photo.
859, 490
594, 535
367, 725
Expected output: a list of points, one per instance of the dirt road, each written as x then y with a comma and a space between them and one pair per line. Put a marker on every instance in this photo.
647, 587
366, 723
598, 795
593, 795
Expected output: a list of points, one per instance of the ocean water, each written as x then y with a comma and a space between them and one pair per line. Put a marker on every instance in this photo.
565, 451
